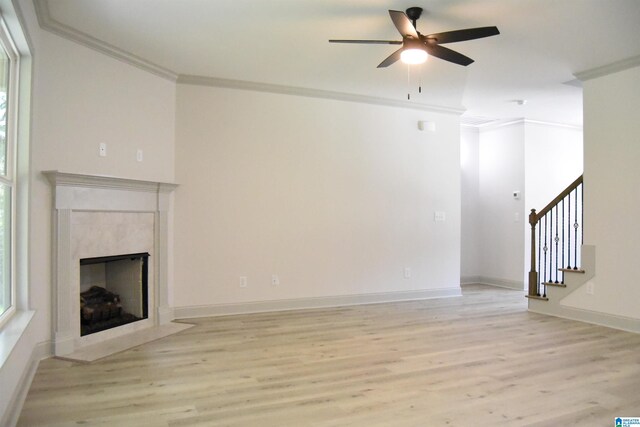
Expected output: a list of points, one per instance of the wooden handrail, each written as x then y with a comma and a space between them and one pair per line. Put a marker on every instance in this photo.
558, 199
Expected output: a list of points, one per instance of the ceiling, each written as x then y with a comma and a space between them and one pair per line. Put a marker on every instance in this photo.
284, 42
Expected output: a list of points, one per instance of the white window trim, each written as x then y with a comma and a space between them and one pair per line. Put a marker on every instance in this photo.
14, 26
18, 353
9, 179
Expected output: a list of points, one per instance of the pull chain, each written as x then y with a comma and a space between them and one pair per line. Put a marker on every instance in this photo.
420, 78
408, 82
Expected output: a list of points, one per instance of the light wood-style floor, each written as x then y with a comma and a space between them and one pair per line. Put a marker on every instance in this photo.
479, 360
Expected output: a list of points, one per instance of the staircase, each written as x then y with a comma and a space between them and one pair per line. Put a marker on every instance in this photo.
560, 263
573, 279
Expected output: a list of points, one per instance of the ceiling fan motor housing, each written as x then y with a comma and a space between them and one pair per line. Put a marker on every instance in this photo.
411, 43
414, 13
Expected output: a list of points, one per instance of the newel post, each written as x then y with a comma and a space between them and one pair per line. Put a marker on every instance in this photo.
533, 274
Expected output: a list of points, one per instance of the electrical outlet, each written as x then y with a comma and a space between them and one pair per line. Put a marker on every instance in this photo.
102, 150
139, 155
275, 280
243, 281
590, 288
407, 273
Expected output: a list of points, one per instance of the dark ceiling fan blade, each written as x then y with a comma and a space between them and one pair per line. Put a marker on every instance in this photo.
447, 54
462, 35
367, 41
402, 23
395, 56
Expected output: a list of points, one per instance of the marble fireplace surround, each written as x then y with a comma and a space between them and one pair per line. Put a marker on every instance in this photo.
102, 216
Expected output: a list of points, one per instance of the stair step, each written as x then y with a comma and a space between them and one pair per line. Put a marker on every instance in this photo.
571, 270
537, 297
558, 285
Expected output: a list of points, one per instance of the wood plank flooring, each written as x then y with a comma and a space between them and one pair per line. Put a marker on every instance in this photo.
478, 360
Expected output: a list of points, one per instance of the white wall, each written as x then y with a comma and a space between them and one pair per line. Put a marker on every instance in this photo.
337, 198
612, 180
470, 205
500, 173
81, 98
553, 156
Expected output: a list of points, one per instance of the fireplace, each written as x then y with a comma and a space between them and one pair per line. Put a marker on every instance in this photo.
113, 291
97, 217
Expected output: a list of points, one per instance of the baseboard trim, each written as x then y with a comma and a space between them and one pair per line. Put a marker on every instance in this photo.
613, 321
40, 351
469, 280
310, 303
500, 283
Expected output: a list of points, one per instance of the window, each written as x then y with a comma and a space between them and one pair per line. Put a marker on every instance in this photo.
8, 112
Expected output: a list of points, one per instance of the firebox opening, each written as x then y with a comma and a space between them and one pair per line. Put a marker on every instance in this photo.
113, 291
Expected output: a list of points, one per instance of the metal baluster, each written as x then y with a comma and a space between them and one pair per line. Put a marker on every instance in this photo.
575, 240
563, 241
582, 212
544, 276
569, 231
550, 278
557, 240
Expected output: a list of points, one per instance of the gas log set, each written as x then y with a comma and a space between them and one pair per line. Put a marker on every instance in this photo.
101, 310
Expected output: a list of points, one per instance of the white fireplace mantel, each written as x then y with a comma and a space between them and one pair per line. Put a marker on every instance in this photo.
108, 197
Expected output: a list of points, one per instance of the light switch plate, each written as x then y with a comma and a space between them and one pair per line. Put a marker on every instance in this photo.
439, 216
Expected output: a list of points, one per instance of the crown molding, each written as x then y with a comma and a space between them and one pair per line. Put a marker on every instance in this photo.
504, 123
554, 124
499, 124
604, 70
477, 122
49, 24
310, 93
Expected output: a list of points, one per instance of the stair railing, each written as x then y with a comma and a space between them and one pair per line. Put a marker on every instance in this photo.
559, 234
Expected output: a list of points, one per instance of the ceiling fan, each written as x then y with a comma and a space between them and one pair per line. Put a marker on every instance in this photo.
416, 47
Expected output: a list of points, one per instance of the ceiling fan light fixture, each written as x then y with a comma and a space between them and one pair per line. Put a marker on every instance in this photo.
414, 56
416, 47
